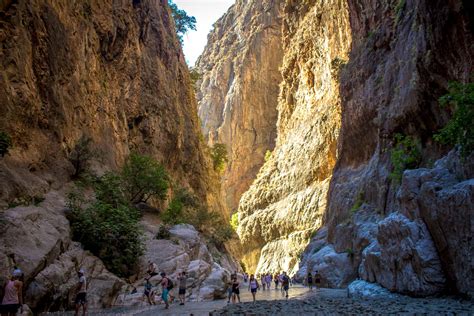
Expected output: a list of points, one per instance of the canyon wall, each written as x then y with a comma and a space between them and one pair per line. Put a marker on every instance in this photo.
354, 74
286, 202
238, 91
109, 70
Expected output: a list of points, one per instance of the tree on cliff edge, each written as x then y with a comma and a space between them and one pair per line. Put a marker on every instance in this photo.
182, 20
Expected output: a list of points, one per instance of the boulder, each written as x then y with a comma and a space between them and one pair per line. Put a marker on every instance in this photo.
54, 287
215, 285
404, 258
367, 290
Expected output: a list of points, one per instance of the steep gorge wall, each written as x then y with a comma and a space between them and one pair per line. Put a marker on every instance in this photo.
238, 91
286, 202
109, 70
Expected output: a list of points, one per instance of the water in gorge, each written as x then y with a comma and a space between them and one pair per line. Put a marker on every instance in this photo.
313, 142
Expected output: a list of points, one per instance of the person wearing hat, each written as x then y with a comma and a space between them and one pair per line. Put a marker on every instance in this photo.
81, 292
13, 296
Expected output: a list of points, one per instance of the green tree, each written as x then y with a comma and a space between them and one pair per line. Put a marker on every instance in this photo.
182, 20
5, 143
460, 129
143, 178
219, 156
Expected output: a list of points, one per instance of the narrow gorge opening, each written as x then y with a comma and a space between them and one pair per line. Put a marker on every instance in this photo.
330, 140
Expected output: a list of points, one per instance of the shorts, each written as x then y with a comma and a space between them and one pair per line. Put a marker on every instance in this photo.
164, 295
9, 308
253, 290
81, 299
286, 287
182, 291
236, 291
147, 293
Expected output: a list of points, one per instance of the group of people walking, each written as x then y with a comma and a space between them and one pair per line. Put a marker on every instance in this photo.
313, 281
254, 285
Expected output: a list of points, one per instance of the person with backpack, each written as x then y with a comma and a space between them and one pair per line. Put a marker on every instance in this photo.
235, 290
12, 296
81, 293
285, 284
253, 286
166, 285
309, 281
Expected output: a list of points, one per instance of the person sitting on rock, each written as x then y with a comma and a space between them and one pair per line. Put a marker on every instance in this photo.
152, 268
149, 293
81, 293
13, 296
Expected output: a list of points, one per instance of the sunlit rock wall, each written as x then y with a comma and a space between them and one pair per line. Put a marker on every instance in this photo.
287, 201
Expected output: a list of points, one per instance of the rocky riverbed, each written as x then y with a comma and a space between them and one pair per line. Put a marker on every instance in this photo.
303, 302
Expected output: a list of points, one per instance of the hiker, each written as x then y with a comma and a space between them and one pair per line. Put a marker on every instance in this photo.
253, 286
229, 290
309, 281
262, 280
235, 290
152, 267
13, 296
81, 293
285, 284
246, 277
276, 281
166, 285
268, 280
280, 280
149, 293
317, 280
182, 287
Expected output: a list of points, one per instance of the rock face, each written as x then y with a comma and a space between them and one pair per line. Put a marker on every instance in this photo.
286, 202
37, 239
238, 92
111, 71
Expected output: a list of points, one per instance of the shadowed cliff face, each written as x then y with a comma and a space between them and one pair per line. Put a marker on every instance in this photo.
113, 71
239, 89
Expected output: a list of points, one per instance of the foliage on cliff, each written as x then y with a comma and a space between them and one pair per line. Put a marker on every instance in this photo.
5, 143
107, 224
219, 156
406, 154
460, 129
182, 20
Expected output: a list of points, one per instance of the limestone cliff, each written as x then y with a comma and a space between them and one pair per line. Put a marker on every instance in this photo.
109, 70
287, 201
354, 74
238, 92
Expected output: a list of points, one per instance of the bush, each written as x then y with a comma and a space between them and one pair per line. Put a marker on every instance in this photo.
174, 213
108, 225
234, 221
219, 157
5, 143
195, 76
183, 22
358, 202
81, 155
268, 155
144, 178
163, 232
460, 129
111, 232
406, 154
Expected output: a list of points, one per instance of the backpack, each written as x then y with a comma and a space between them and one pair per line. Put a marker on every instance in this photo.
170, 284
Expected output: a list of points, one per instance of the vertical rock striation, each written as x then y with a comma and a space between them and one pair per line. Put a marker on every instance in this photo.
238, 92
286, 202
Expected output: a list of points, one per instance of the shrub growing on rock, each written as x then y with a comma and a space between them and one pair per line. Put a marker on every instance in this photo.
234, 221
81, 155
183, 22
5, 143
405, 154
219, 156
460, 129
